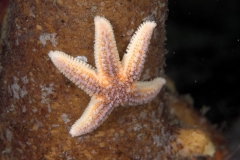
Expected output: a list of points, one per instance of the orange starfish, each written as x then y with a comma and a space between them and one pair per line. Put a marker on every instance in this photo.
112, 82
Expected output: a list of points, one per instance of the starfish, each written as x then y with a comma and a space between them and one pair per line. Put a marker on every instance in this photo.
112, 82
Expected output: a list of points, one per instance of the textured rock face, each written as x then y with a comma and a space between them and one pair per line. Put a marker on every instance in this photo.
38, 104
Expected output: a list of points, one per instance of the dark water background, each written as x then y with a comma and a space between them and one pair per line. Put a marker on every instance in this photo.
204, 59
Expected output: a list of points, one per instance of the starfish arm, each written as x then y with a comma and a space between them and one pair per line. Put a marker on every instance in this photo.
106, 53
146, 91
93, 116
134, 59
79, 72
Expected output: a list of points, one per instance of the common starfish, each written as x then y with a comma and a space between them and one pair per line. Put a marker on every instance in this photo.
112, 82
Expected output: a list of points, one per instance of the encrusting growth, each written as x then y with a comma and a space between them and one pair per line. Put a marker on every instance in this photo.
112, 82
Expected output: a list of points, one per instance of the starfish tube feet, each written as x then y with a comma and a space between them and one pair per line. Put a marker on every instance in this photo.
92, 117
78, 71
106, 53
134, 59
146, 91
